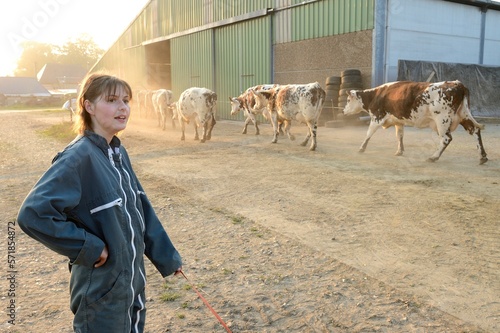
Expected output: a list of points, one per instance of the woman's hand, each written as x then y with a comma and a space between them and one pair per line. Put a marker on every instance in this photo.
178, 271
103, 258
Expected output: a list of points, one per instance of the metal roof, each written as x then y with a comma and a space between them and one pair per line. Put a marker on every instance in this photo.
53, 73
22, 86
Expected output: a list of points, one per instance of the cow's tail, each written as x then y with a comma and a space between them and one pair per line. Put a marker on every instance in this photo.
178, 113
465, 111
321, 101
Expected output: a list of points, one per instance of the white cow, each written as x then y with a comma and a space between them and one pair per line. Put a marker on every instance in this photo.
144, 99
301, 102
196, 105
161, 100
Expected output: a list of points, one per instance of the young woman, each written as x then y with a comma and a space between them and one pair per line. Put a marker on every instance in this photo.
90, 207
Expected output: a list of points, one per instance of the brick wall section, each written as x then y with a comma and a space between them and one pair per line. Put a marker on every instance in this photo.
316, 59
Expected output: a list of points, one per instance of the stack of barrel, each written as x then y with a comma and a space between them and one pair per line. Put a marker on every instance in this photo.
332, 98
350, 79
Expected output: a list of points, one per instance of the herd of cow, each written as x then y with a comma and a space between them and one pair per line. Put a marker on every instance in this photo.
441, 106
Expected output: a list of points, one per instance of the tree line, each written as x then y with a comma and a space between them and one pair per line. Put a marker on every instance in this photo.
81, 51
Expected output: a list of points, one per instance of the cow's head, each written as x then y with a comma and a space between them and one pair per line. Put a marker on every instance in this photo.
354, 103
236, 105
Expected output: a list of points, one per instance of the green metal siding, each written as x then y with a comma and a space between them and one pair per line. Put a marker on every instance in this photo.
322, 18
231, 55
192, 62
243, 59
224, 9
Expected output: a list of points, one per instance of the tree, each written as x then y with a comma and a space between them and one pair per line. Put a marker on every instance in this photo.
35, 55
82, 51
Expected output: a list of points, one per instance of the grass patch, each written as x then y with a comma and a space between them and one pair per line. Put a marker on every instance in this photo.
169, 297
256, 232
237, 219
62, 132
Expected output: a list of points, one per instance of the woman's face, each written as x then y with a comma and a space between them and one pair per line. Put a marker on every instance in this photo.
109, 114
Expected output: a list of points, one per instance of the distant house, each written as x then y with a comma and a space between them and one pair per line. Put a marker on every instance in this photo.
61, 79
26, 90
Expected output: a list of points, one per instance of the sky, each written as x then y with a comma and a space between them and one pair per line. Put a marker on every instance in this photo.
58, 21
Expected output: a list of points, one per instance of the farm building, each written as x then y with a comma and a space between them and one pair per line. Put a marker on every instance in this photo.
27, 90
61, 79
229, 45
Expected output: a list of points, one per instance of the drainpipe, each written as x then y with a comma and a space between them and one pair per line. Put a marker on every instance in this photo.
483, 33
379, 70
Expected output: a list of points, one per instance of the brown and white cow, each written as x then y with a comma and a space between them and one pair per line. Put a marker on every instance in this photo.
442, 106
301, 102
246, 103
196, 105
161, 99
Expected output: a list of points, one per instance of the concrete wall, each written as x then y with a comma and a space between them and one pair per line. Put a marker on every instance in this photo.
316, 59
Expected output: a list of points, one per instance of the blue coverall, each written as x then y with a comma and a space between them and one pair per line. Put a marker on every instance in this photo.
90, 197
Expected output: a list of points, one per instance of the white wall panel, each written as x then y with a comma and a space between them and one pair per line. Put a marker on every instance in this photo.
442, 31
492, 40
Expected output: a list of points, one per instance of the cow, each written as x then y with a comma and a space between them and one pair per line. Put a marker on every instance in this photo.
246, 102
301, 102
144, 99
161, 100
441, 106
196, 105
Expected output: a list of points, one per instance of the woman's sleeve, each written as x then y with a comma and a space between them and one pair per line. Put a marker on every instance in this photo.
43, 214
159, 247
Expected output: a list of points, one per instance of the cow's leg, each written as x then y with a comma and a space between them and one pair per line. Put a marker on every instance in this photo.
196, 136
311, 133
288, 125
247, 121
482, 153
399, 135
255, 123
257, 131
445, 141
183, 129
469, 126
274, 121
204, 135
171, 114
211, 125
163, 119
374, 126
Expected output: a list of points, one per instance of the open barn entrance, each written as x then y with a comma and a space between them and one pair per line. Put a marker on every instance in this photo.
159, 68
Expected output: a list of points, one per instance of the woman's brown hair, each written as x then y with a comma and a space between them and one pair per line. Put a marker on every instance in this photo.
95, 86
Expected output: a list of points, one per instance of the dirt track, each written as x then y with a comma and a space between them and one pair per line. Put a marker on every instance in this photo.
287, 240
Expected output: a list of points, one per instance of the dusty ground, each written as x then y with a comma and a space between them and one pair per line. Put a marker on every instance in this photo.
281, 239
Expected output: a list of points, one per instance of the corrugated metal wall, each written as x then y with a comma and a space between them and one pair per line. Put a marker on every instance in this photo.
230, 56
243, 59
321, 18
192, 61
224, 9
